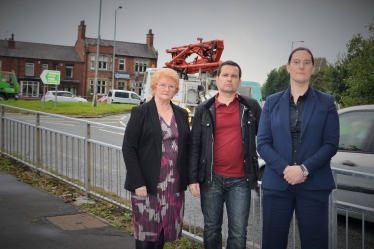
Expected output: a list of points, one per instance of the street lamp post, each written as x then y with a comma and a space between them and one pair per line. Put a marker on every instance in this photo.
114, 46
94, 99
293, 43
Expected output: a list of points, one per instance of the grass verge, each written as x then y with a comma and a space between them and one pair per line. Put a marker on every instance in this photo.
75, 109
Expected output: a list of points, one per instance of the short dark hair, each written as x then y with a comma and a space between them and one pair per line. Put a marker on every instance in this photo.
229, 63
301, 49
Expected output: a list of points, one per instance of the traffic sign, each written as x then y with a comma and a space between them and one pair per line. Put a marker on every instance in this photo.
50, 77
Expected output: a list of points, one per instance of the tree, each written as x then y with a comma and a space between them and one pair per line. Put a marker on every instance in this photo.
360, 59
268, 86
283, 80
278, 80
317, 81
320, 63
334, 78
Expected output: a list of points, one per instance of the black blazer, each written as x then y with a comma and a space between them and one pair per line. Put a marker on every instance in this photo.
142, 144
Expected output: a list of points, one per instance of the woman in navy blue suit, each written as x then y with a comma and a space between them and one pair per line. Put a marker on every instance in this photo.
297, 137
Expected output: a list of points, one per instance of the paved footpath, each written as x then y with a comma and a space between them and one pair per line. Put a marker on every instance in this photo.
33, 219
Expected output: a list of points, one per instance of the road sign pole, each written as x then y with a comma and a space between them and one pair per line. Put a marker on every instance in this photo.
44, 95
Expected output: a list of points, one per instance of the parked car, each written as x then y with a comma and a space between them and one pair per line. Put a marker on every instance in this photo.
62, 96
356, 152
123, 97
103, 99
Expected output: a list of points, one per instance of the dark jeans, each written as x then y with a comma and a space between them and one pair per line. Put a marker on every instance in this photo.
236, 193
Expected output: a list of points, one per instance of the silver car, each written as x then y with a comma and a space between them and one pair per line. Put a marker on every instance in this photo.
356, 152
62, 96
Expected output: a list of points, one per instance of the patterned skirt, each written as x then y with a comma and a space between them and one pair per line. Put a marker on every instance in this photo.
152, 213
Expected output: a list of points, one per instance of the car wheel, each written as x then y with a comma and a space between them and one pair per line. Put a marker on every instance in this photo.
2, 97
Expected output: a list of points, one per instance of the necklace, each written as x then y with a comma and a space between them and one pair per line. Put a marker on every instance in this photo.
165, 112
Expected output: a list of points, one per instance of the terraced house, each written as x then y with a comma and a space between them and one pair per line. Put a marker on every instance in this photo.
28, 60
77, 64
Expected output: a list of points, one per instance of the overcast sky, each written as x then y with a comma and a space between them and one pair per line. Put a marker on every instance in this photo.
257, 34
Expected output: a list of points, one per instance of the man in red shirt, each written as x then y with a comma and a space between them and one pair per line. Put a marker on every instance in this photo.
223, 165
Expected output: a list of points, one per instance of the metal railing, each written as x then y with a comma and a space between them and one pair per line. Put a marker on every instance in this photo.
97, 168
335, 204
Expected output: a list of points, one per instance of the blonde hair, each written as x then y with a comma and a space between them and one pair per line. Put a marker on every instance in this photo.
164, 72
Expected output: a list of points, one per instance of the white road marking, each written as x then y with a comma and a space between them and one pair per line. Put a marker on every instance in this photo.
123, 124
111, 132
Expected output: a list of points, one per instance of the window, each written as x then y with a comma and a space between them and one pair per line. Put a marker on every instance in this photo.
55, 66
7, 78
44, 67
134, 96
121, 65
121, 95
29, 69
355, 130
73, 90
100, 86
103, 62
52, 87
69, 71
141, 65
121, 85
92, 61
30, 88
63, 94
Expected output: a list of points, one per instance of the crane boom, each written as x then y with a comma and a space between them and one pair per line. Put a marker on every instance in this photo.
207, 59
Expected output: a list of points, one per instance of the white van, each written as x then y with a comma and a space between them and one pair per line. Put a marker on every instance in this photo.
123, 97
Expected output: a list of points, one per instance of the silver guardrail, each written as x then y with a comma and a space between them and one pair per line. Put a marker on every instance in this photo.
335, 204
97, 169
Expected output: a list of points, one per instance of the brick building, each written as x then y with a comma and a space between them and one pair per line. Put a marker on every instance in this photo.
28, 60
132, 59
77, 64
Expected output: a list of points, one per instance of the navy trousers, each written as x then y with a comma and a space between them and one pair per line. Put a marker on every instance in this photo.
311, 209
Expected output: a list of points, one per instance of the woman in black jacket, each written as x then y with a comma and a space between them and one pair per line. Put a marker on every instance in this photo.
155, 153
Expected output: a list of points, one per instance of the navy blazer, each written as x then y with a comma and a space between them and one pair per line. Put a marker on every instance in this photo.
142, 147
319, 138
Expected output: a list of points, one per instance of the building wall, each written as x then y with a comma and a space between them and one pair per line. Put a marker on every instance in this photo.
106, 75
18, 65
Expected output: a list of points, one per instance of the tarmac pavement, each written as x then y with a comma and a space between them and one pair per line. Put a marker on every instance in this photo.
33, 219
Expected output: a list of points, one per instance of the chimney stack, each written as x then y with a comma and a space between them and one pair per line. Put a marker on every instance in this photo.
150, 38
82, 31
11, 43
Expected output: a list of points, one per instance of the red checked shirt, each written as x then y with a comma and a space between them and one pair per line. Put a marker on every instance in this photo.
228, 149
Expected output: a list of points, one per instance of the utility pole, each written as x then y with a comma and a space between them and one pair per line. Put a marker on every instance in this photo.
94, 99
114, 47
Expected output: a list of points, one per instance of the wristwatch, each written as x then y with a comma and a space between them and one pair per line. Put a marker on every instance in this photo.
305, 171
